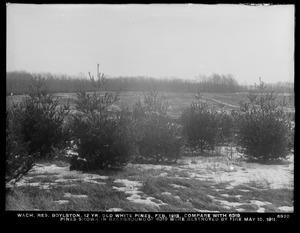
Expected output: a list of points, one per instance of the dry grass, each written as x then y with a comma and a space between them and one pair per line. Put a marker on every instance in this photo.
171, 185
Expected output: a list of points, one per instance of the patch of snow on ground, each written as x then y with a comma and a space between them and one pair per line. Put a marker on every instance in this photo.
114, 210
177, 186
209, 211
129, 183
94, 182
219, 169
261, 210
166, 193
170, 194
63, 171
75, 196
131, 187
224, 195
127, 190
23, 183
245, 190
240, 209
163, 174
287, 209
63, 180
212, 197
146, 201
70, 153
40, 170
153, 166
231, 204
260, 203
62, 202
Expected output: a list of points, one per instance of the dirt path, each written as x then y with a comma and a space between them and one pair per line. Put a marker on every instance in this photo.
224, 103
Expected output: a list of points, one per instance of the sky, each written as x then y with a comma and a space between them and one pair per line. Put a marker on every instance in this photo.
154, 40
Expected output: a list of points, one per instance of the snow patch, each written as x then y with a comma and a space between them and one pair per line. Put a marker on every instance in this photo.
129, 183
231, 204
237, 172
163, 174
245, 190
40, 185
146, 201
62, 202
286, 208
237, 204
94, 182
153, 166
60, 173
224, 195
260, 203
209, 211
261, 210
71, 153
74, 196
114, 210
177, 186
131, 187
240, 209
210, 196
166, 193
227, 195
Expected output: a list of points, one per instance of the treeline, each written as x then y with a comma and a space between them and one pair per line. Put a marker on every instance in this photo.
219, 84
17, 83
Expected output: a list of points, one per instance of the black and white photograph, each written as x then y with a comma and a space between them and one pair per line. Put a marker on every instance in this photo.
150, 112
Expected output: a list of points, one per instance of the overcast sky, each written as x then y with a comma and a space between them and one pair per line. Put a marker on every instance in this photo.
180, 41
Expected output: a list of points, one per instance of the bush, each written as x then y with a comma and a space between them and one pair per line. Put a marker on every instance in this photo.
41, 123
158, 138
102, 137
103, 141
263, 128
202, 125
18, 160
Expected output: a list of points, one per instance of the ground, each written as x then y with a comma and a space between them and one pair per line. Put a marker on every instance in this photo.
194, 184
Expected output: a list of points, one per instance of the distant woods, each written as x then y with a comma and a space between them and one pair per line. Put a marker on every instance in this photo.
17, 82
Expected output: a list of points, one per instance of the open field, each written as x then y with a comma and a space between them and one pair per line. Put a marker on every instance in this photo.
177, 101
194, 184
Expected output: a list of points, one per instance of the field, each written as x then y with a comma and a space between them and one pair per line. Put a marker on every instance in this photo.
218, 182
177, 101
194, 184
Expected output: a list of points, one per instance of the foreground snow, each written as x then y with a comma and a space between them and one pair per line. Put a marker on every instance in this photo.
216, 169
220, 169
